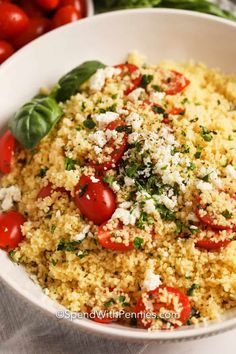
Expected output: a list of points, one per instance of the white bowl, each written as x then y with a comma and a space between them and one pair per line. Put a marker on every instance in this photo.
89, 8
160, 34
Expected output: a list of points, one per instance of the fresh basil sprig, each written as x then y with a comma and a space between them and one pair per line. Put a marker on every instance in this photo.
70, 83
34, 120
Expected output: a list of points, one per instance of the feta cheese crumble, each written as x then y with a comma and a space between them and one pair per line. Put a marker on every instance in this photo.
8, 196
151, 281
83, 233
97, 81
104, 119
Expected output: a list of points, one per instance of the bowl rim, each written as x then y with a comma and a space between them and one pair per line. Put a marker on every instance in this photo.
189, 333
90, 8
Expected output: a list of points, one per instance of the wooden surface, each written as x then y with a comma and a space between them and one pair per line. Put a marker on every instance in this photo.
25, 330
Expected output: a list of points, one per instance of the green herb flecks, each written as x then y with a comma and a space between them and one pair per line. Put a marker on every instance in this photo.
109, 303
124, 128
146, 79
109, 180
138, 242
226, 213
89, 123
42, 172
68, 246
192, 288
206, 134
70, 164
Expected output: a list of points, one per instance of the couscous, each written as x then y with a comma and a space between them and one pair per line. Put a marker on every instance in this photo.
119, 192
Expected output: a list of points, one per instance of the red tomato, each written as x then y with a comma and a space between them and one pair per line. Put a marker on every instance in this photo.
31, 8
6, 50
13, 20
157, 305
208, 219
48, 190
130, 69
80, 5
36, 27
95, 200
105, 319
176, 83
7, 146
177, 111
118, 151
104, 238
64, 15
48, 4
10, 229
211, 245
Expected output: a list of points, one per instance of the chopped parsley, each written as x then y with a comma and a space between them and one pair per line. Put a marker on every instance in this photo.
124, 128
179, 227
158, 109
146, 79
89, 123
165, 213
42, 172
12, 254
54, 262
144, 219
82, 254
191, 166
109, 303
206, 134
53, 228
138, 241
70, 246
156, 88
69, 164
206, 177
185, 100
185, 149
198, 153
109, 180
227, 214
192, 288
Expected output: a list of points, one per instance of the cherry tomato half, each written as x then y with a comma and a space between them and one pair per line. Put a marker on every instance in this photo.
80, 5
48, 4
64, 15
103, 319
104, 238
211, 245
10, 229
208, 219
131, 70
36, 27
7, 146
157, 304
174, 84
177, 111
13, 20
118, 151
6, 50
95, 200
48, 190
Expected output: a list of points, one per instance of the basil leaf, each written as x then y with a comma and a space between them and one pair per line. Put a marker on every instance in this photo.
34, 120
70, 84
